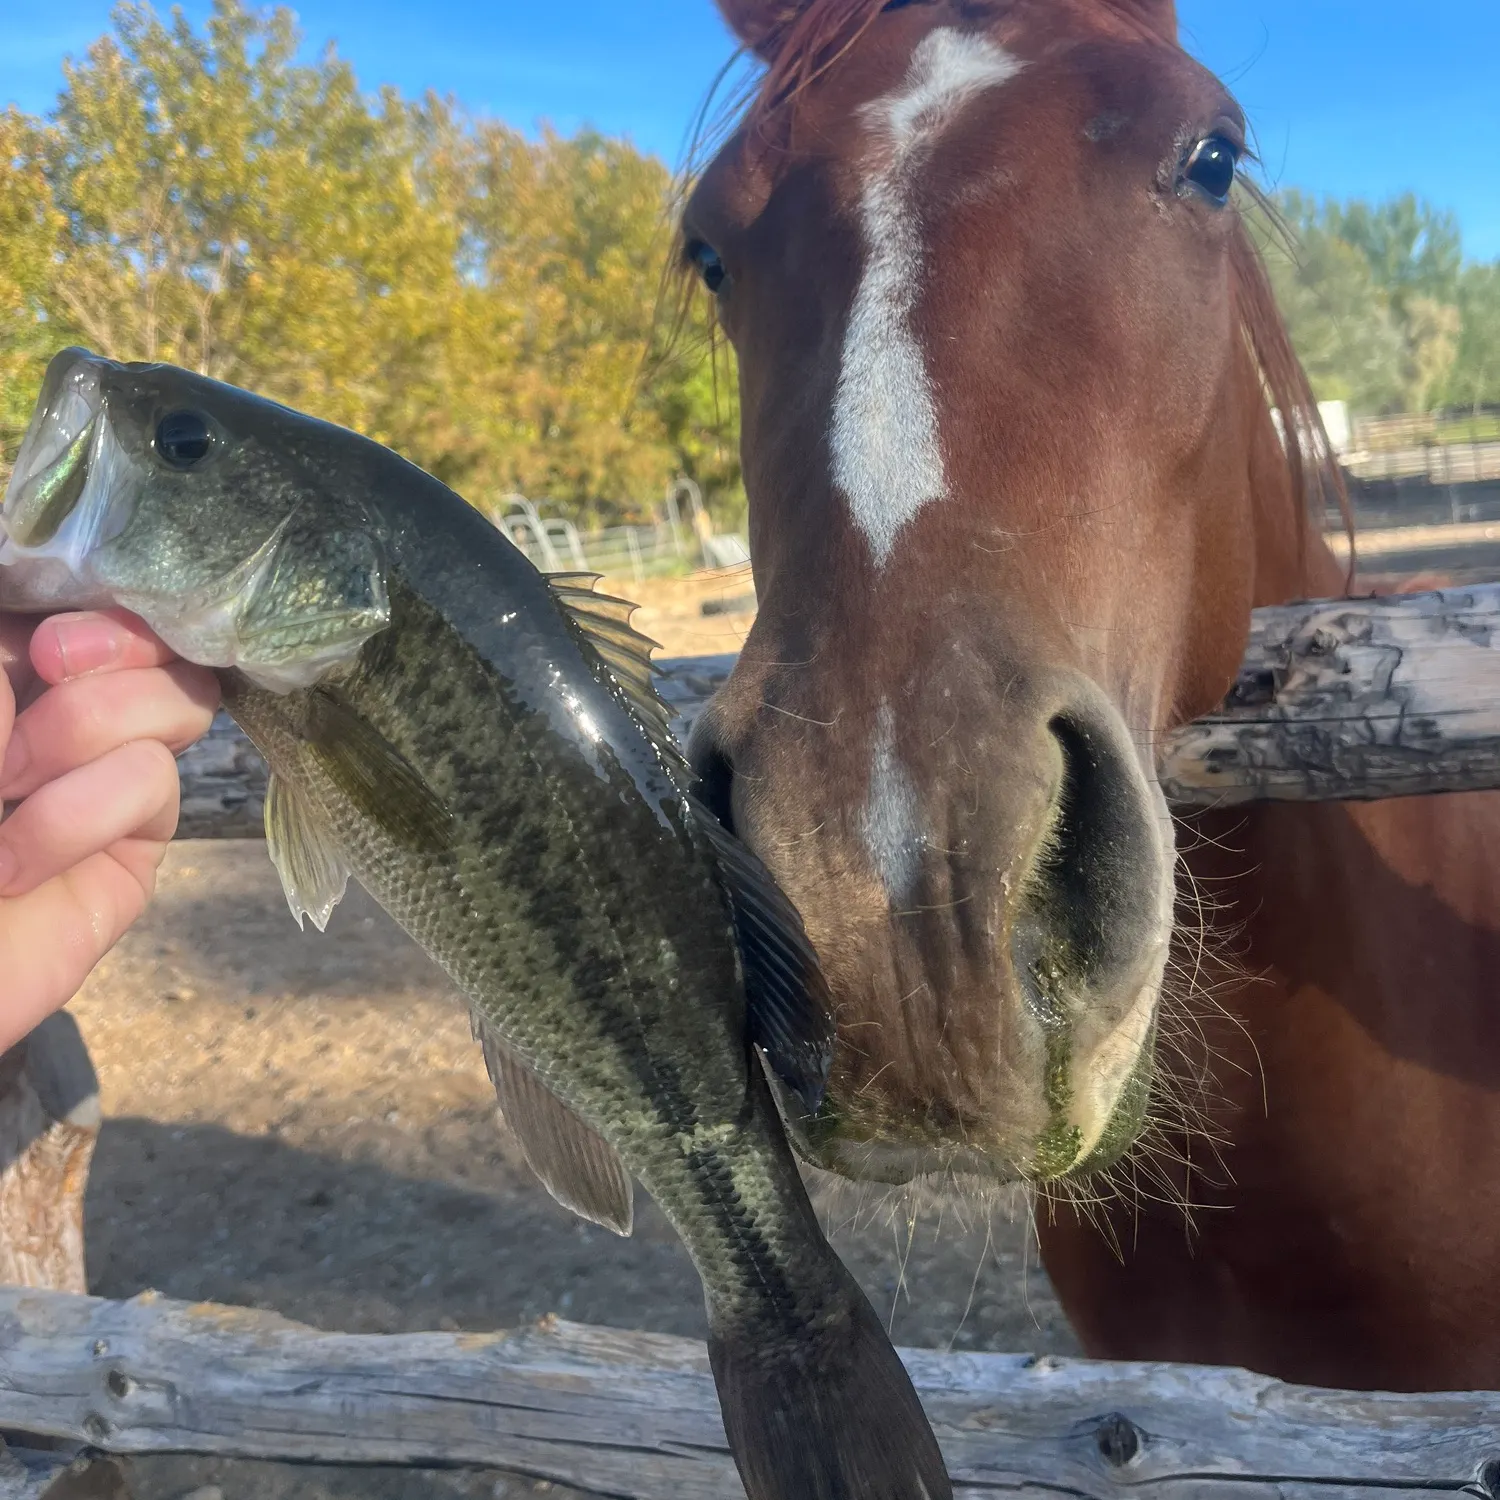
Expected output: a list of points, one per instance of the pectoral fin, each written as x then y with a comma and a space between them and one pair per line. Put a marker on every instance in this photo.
576, 1164
789, 1008
374, 775
313, 873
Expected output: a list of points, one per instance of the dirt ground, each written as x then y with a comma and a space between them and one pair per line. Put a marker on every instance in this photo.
301, 1122
671, 610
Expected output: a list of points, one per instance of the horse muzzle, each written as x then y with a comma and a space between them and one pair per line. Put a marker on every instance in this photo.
984, 864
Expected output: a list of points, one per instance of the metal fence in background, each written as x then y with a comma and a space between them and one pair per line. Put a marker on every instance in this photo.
682, 539
1437, 463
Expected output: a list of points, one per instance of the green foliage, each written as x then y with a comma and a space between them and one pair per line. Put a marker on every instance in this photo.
492, 305
1381, 306
483, 302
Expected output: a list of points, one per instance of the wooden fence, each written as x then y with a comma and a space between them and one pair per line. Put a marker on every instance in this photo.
1336, 699
635, 1415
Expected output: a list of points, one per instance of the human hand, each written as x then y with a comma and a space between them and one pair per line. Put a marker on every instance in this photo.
92, 710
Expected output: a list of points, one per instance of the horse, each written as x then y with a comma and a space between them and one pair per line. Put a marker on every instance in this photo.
1025, 441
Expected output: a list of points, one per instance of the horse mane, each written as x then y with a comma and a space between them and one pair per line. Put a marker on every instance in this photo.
800, 43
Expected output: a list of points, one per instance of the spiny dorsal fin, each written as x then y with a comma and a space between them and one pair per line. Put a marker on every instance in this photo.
605, 620
575, 1164
788, 1005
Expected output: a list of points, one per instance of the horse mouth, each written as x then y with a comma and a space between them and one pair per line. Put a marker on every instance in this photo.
1095, 1106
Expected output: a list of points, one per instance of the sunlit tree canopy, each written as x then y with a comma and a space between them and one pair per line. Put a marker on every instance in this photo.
490, 302
485, 302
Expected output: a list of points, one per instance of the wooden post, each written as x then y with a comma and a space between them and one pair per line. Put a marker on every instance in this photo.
49, 1122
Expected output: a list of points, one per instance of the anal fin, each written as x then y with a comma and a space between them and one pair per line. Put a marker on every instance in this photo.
574, 1162
313, 873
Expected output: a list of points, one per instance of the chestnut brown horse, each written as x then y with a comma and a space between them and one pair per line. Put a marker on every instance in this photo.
1010, 376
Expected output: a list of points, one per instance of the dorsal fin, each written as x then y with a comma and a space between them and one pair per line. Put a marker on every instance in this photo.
789, 1010
605, 620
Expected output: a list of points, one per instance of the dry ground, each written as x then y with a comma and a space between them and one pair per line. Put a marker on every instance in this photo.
302, 1123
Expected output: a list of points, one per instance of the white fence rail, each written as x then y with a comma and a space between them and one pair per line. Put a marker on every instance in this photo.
682, 537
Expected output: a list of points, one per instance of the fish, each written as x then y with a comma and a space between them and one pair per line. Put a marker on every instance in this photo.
480, 745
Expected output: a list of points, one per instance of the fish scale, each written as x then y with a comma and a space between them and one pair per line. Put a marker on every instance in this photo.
481, 748
613, 1012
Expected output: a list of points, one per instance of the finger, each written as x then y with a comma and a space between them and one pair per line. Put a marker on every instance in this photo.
131, 792
15, 652
82, 719
83, 913
7, 713
106, 640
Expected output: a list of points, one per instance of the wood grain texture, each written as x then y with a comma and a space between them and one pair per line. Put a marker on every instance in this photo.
1336, 700
49, 1122
1353, 699
635, 1414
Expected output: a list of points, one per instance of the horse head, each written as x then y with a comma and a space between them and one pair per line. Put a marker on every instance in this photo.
1008, 369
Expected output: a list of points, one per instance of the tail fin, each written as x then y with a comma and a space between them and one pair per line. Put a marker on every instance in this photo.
828, 1414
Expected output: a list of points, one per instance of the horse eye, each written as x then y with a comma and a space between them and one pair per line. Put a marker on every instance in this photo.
1212, 166
708, 264
183, 439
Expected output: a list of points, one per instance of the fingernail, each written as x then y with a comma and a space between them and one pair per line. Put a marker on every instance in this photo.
17, 758
8, 866
87, 645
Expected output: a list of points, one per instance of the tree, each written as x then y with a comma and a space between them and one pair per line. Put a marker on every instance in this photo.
1381, 306
1340, 318
1475, 377
481, 301
29, 227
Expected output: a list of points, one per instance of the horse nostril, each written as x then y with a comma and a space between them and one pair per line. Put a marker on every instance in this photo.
1093, 884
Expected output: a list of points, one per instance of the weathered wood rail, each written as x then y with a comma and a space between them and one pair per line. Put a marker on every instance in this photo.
635, 1415
1335, 699
1338, 699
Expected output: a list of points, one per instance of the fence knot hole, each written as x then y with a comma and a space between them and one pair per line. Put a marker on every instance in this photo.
118, 1384
1487, 1480
1119, 1440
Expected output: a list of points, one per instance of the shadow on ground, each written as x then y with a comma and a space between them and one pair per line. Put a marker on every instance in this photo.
302, 1123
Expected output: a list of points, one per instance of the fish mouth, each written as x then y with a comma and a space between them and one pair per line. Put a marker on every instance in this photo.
52, 465
63, 492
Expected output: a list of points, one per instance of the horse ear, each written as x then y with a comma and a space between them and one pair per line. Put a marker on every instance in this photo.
760, 24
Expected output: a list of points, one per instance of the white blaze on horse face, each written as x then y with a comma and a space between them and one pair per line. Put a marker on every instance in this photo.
892, 831
883, 436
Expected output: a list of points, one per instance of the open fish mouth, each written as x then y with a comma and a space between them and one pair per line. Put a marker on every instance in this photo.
63, 491
52, 466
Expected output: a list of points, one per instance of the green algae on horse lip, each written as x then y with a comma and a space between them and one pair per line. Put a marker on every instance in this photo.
481, 748
1060, 1144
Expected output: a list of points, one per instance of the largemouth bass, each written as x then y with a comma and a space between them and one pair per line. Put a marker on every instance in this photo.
480, 746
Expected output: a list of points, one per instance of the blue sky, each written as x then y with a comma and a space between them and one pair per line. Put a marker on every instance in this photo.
1368, 98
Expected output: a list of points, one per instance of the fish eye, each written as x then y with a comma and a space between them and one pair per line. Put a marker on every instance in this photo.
183, 439
1211, 168
707, 262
